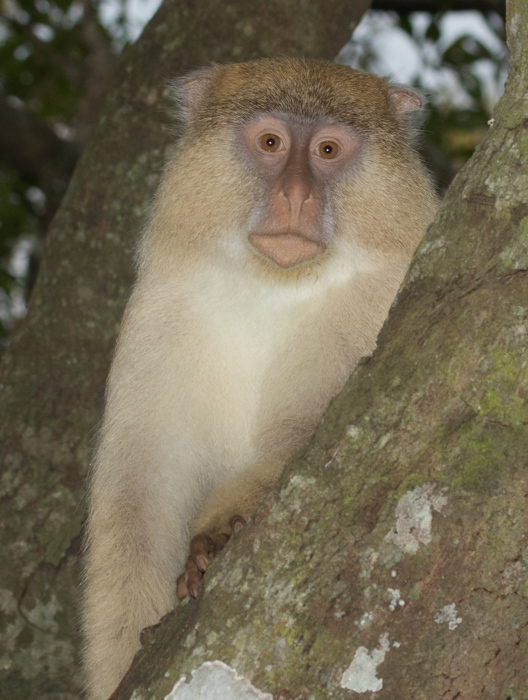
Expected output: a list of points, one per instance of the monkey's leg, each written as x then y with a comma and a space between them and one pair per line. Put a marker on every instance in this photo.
137, 542
225, 513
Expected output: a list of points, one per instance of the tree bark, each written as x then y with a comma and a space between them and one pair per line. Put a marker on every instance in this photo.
392, 560
53, 375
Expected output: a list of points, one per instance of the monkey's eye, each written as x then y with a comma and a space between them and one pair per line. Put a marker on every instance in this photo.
270, 143
327, 150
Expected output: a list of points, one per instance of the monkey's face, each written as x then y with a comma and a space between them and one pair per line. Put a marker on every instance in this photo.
291, 169
297, 162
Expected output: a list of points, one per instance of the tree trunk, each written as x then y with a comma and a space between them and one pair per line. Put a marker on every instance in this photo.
53, 375
393, 558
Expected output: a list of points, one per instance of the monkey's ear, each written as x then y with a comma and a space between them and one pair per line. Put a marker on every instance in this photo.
189, 92
404, 100
196, 84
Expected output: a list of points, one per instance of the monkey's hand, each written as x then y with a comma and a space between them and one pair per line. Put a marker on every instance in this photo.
204, 548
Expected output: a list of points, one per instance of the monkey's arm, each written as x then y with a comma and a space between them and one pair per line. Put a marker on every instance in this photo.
143, 496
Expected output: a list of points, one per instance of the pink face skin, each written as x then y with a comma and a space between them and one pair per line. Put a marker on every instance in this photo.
296, 160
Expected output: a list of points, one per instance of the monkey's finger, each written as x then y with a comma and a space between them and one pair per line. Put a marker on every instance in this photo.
219, 542
193, 578
202, 551
146, 633
237, 523
181, 586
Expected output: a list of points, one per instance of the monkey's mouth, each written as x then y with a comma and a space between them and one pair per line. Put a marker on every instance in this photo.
286, 249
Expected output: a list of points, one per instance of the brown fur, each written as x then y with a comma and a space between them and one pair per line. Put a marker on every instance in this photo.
226, 362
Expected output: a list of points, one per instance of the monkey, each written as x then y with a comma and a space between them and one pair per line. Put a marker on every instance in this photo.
281, 230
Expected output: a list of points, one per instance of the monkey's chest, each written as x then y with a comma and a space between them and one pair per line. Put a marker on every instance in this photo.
259, 379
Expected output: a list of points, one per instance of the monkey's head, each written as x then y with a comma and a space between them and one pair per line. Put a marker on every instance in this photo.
301, 158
